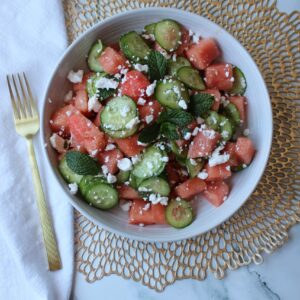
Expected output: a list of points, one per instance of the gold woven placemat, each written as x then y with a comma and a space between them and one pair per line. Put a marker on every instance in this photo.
261, 225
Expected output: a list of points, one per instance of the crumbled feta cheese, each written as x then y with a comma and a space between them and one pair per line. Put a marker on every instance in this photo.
73, 188
94, 152
199, 120
141, 144
68, 97
149, 165
149, 119
68, 113
125, 164
125, 204
187, 136
155, 199
124, 111
164, 158
93, 104
149, 36
150, 88
195, 131
182, 104
111, 178
174, 57
110, 147
104, 169
227, 168
132, 123
135, 159
143, 189
106, 83
246, 132
141, 101
202, 175
49, 100
53, 140
141, 68
75, 77
244, 166
209, 133
195, 38
232, 79
193, 162
141, 225
217, 158
146, 207
226, 74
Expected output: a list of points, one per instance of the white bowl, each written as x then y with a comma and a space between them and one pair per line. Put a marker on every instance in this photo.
259, 121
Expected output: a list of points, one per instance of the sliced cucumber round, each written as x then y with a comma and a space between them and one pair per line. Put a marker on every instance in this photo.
171, 93
150, 28
232, 113
168, 34
122, 134
191, 77
101, 195
91, 84
213, 120
118, 113
179, 213
240, 84
93, 56
151, 164
123, 176
67, 173
180, 154
174, 66
154, 185
134, 181
226, 128
134, 47
87, 181
194, 166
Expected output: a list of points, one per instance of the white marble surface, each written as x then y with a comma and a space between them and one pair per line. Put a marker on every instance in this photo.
277, 278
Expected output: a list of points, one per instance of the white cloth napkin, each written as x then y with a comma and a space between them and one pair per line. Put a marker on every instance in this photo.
33, 36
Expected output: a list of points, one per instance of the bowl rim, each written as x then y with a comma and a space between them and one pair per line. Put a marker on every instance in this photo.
188, 234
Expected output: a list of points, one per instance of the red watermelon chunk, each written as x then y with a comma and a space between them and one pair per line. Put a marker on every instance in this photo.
129, 146
110, 159
202, 54
127, 192
216, 94
86, 134
218, 172
97, 118
185, 41
230, 149
190, 188
219, 76
172, 173
59, 120
204, 143
150, 111
141, 213
245, 150
241, 104
134, 85
82, 85
216, 192
81, 100
111, 60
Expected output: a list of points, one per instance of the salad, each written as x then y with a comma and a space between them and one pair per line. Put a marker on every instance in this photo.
157, 119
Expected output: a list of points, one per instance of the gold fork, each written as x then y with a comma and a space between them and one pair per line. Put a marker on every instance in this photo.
27, 125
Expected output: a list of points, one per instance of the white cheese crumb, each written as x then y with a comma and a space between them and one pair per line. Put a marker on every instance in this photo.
182, 104
199, 120
94, 153
124, 111
110, 147
49, 100
174, 57
68, 113
75, 77
150, 88
104, 169
164, 158
202, 175
246, 132
155, 199
135, 159
132, 123
149, 119
195, 131
149, 165
141, 68
53, 140
141, 101
193, 162
217, 158
111, 178
68, 97
187, 136
227, 168
142, 144
125, 204
106, 83
244, 166
141, 225
73, 188
93, 104
232, 79
146, 207
125, 164
227, 74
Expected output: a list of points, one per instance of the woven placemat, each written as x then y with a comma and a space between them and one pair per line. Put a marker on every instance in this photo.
261, 225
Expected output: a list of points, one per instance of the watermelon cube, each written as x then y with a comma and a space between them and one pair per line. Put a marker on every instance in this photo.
219, 76
127, 192
110, 60
230, 149
185, 41
110, 159
129, 146
190, 188
81, 100
216, 192
218, 172
150, 111
245, 150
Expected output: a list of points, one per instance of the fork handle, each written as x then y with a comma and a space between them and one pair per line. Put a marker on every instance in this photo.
47, 227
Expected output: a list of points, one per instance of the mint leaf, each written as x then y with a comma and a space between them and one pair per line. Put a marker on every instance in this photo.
178, 117
169, 130
157, 64
149, 133
81, 164
200, 104
103, 94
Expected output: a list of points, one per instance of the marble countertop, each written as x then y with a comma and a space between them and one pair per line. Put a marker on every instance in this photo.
278, 277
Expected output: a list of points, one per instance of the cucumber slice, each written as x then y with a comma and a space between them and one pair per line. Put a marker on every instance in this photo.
180, 155
194, 166
91, 84
191, 77
240, 84
93, 56
150, 28
87, 181
232, 113
174, 66
169, 92
134, 47
134, 182
101, 195
226, 128
151, 163
213, 120
179, 213
117, 113
123, 176
121, 134
67, 173
168, 34
154, 185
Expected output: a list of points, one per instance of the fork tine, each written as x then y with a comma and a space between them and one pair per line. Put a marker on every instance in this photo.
21, 109
32, 103
12, 99
27, 106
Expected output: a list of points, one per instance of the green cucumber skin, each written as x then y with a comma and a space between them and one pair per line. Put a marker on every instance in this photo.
90, 84
67, 173
240, 83
226, 128
191, 78
174, 66
193, 170
87, 181
213, 120
155, 185
150, 28
123, 176
93, 55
